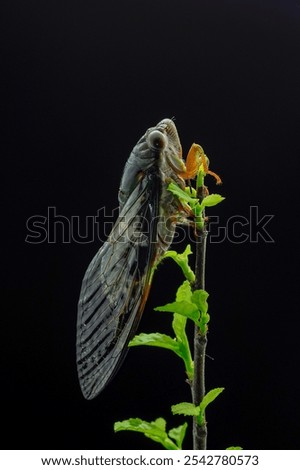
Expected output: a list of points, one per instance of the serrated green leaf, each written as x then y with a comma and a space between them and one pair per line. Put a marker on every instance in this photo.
211, 200
210, 397
155, 339
160, 423
175, 255
207, 399
137, 424
171, 254
186, 409
182, 260
191, 191
154, 430
187, 309
187, 251
179, 324
203, 323
178, 434
182, 195
199, 297
184, 292
179, 345
234, 448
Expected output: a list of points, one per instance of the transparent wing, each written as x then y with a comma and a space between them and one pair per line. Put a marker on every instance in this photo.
115, 288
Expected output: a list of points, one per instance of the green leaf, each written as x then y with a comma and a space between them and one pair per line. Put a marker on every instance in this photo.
155, 430
184, 292
178, 434
178, 325
199, 297
155, 339
203, 323
187, 309
182, 195
186, 409
191, 191
200, 177
211, 200
234, 448
207, 399
160, 423
182, 260
189, 409
210, 397
179, 346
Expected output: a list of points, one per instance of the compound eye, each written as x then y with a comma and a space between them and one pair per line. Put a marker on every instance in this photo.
157, 140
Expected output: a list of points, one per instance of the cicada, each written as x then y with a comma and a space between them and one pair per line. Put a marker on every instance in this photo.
117, 282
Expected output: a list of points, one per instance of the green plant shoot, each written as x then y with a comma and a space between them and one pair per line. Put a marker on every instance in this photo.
190, 304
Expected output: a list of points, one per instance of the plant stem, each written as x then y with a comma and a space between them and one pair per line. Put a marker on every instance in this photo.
200, 339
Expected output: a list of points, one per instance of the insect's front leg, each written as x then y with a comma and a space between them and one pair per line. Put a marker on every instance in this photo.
192, 162
194, 159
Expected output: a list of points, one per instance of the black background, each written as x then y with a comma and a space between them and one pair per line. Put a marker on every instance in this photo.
81, 82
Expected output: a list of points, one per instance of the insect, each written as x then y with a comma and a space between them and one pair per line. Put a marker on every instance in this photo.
117, 282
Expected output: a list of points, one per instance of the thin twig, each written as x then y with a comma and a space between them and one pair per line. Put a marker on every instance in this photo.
200, 339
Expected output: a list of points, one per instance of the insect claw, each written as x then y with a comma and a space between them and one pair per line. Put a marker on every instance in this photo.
205, 163
217, 177
195, 158
192, 162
